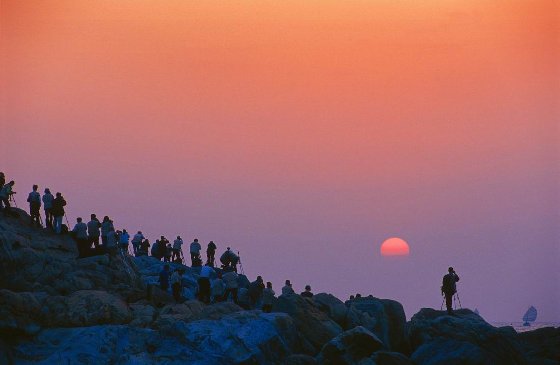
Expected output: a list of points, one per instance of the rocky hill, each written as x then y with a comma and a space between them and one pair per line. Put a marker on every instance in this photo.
57, 309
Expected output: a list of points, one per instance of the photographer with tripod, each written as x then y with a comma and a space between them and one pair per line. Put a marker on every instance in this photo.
449, 288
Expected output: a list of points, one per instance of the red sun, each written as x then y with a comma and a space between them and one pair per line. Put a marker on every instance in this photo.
395, 247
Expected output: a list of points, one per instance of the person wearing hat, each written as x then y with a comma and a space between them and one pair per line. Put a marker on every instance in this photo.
307, 293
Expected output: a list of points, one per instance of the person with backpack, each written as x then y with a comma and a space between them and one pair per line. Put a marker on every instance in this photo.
204, 284
81, 237
136, 242
229, 259
176, 254
47, 207
124, 237
58, 205
268, 298
34, 200
255, 291
195, 252
93, 227
144, 248
5, 196
210, 253
106, 226
230, 278
449, 288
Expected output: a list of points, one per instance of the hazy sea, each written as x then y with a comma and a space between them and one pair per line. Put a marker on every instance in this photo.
518, 326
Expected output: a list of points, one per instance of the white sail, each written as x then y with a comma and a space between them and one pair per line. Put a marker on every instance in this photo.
530, 315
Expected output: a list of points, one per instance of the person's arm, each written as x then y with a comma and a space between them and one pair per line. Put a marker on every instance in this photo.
456, 277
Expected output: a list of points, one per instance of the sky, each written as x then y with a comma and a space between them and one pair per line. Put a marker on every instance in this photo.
303, 134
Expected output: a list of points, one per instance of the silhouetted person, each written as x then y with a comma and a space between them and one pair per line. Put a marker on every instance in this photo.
307, 293
195, 252
349, 301
256, 290
124, 237
144, 248
229, 259
204, 284
47, 207
155, 250
6, 193
111, 238
268, 298
2, 180
176, 281
176, 254
81, 237
34, 200
58, 205
168, 253
287, 289
449, 288
210, 253
162, 247
93, 228
106, 226
164, 278
136, 242
230, 280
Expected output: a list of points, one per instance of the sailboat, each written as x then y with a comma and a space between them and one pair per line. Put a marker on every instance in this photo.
530, 316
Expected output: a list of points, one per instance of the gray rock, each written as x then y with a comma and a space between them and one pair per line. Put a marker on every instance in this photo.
350, 347
390, 358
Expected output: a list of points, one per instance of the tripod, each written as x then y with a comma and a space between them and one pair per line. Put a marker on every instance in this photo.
457, 299
240, 263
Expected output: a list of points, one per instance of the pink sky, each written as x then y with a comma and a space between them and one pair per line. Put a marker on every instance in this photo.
304, 134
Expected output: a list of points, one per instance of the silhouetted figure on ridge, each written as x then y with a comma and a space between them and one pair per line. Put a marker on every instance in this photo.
136, 242
204, 284
47, 207
106, 226
195, 253
268, 298
58, 205
230, 278
34, 200
144, 248
124, 237
176, 254
81, 237
307, 293
210, 253
176, 281
287, 289
255, 291
93, 228
449, 288
229, 259
6, 193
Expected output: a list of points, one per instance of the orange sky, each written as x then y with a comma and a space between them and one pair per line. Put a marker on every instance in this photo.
298, 124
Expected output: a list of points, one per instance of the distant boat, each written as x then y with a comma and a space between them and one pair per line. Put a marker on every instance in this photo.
530, 316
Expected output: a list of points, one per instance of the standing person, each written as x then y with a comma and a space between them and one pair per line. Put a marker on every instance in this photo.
111, 239
287, 289
218, 289
58, 205
47, 207
210, 253
230, 280
124, 237
106, 226
93, 227
256, 290
176, 257
162, 247
176, 280
195, 252
204, 284
144, 248
229, 259
34, 200
2, 180
136, 242
307, 293
268, 298
5, 196
168, 253
155, 250
164, 278
449, 288
80, 235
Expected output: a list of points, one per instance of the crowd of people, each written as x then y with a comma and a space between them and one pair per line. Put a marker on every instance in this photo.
214, 284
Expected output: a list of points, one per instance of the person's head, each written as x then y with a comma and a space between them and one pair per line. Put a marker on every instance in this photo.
124, 231
93, 217
259, 278
269, 284
58, 195
162, 238
307, 288
79, 219
12, 183
47, 191
211, 242
166, 267
35, 187
106, 219
351, 297
450, 270
196, 240
288, 283
228, 248
139, 232
358, 295
178, 237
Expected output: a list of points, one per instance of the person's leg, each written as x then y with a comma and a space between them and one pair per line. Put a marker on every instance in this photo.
449, 303
57, 224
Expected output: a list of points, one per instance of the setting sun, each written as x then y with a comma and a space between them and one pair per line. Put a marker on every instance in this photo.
395, 247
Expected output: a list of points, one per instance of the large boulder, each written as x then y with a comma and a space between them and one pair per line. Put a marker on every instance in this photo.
390, 358
314, 326
542, 345
464, 338
20, 313
350, 347
385, 318
86, 308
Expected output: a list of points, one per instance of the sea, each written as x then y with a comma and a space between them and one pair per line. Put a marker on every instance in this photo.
519, 327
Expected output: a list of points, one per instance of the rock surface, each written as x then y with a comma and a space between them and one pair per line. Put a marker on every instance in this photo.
350, 347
